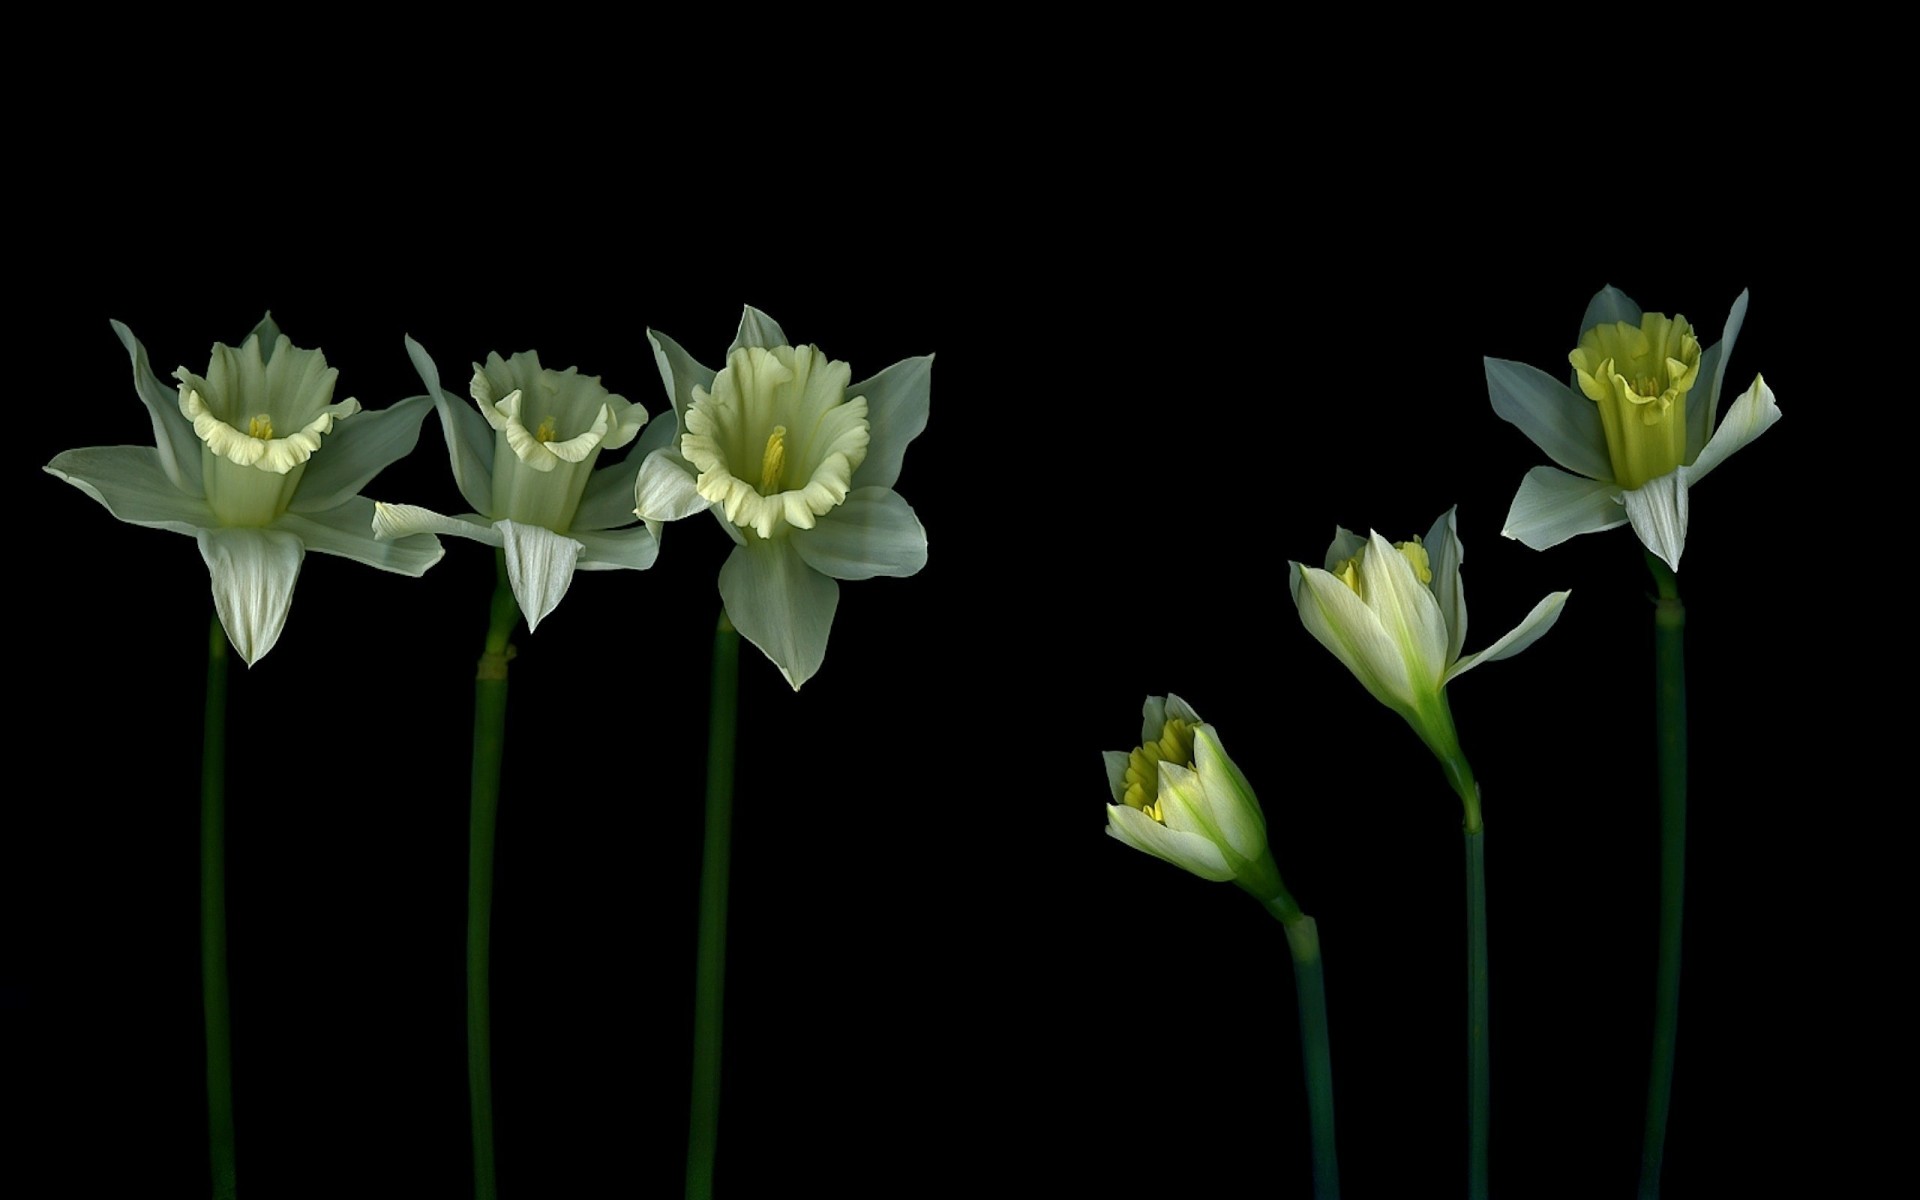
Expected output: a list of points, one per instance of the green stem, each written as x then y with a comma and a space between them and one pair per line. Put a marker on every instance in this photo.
489, 737
1670, 722
710, 969
1479, 1062
1303, 938
213, 917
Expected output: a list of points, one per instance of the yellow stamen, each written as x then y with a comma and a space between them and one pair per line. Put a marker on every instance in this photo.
1349, 574
1416, 556
547, 431
774, 461
261, 427
1175, 745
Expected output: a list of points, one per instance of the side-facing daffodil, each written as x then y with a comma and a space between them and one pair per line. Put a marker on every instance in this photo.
1395, 614
258, 463
1636, 425
798, 467
525, 461
1178, 797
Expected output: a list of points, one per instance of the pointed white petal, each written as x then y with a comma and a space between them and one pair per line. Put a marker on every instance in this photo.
1658, 510
607, 502
539, 567
131, 483
1345, 545
1704, 403
356, 451
679, 373
406, 520
470, 441
1408, 612
897, 400
1352, 633
1560, 421
1751, 415
1153, 718
1444, 556
780, 604
173, 435
616, 549
874, 533
1116, 763
665, 489
1236, 812
757, 329
253, 573
348, 531
1188, 851
1525, 634
1552, 506
1608, 305
1176, 707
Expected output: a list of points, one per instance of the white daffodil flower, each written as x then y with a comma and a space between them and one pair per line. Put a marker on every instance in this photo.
525, 461
1636, 426
1178, 797
256, 462
1396, 615
798, 467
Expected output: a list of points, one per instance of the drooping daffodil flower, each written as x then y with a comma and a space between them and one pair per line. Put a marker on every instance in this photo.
1635, 426
258, 463
798, 466
1178, 797
525, 461
1396, 615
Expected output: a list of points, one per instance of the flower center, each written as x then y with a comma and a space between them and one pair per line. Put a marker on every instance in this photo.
1174, 745
260, 426
1412, 550
1640, 376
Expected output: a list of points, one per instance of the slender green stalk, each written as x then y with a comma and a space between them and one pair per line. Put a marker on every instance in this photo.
213, 917
710, 970
1316, 1055
1445, 744
489, 737
1670, 722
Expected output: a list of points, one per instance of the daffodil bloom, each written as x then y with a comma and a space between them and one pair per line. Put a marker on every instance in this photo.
525, 461
1636, 425
1396, 615
1178, 797
798, 466
259, 465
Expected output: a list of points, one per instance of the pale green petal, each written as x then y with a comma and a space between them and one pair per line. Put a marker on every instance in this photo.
1176, 707
470, 442
607, 502
1153, 718
897, 400
1444, 556
253, 574
1188, 851
1703, 403
780, 604
1552, 506
1751, 415
1563, 423
1116, 762
405, 520
679, 373
1608, 305
1350, 630
173, 435
1346, 543
130, 482
1408, 612
874, 532
347, 530
757, 329
540, 566
665, 490
1658, 511
1236, 811
632, 549
1525, 634
356, 451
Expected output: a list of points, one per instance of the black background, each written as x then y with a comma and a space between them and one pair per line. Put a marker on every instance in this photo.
1157, 381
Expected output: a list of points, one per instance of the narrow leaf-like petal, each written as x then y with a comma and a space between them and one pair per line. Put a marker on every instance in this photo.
1751, 415
1658, 510
347, 530
1346, 544
1116, 763
874, 533
897, 402
539, 567
1236, 812
607, 502
616, 549
1350, 630
1407, 612
1525, 634
1176, 707
406, 520
780, 604
1444, 556
470, 441
131, 483
173, 434
358, 449
679, 373
1560, 421
253, 572
1552, 506
1153, 718
1608, 306
757, 329
1188, 851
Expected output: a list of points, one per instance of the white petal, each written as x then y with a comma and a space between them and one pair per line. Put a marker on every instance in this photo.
539, 567
874, 533
1751, 415
1188, 851
897, 400
347, 530
1560, 421
1116, 763
1704, 402
1236, 812
1345, 545
616, 549
780, 604
1350, 630
679, 373
470, 442
356, 451
757, 329
665, 489
131, 483
253, 574
1444, 556
1608, 305
405, 520
1658, 510
1153, 719
1525, 634
173, 435
1408, 612
1176, 707
607, 501
1552, 506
